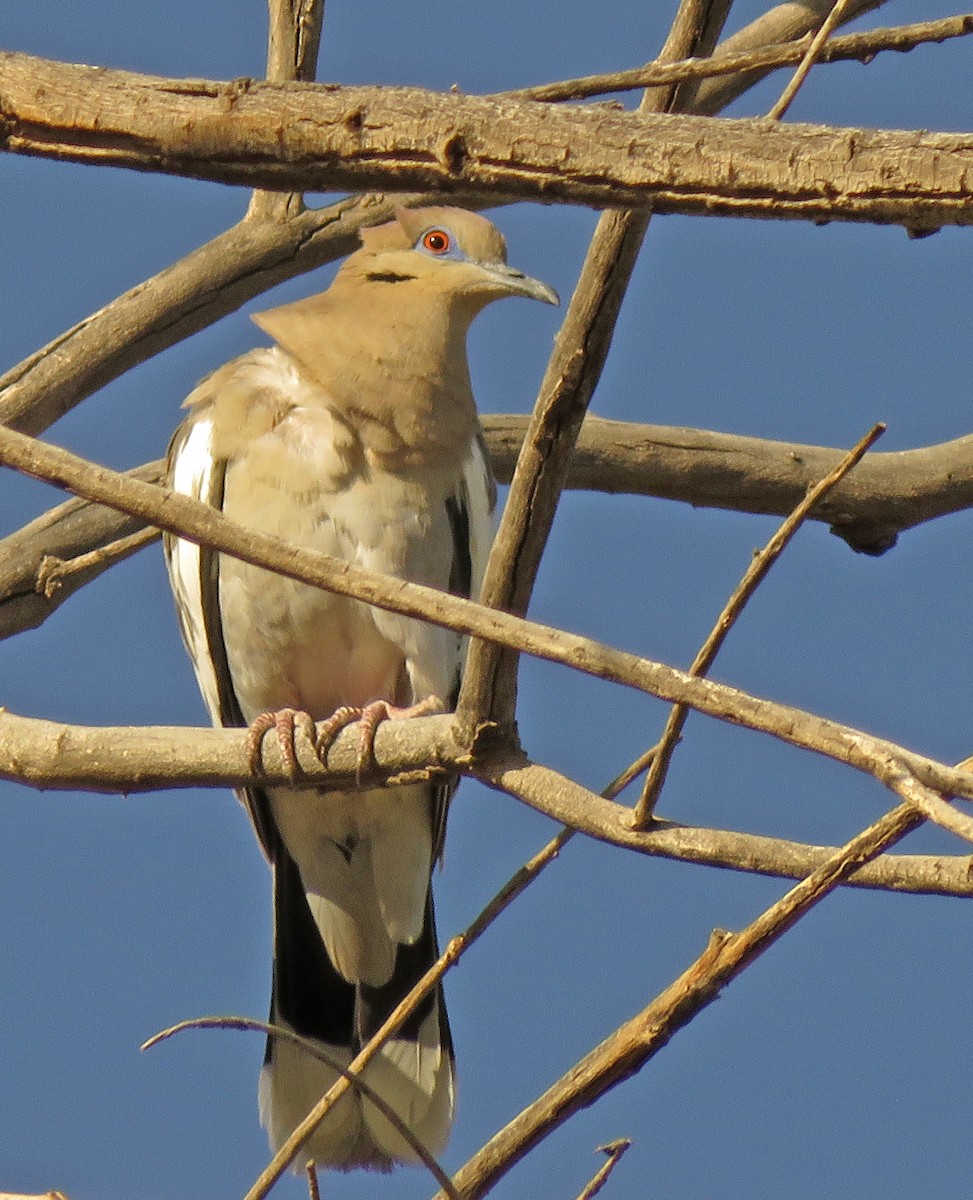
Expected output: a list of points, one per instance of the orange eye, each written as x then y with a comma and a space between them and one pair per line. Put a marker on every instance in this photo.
436, 241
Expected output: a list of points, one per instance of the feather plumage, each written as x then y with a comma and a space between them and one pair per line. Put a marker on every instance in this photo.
355, 434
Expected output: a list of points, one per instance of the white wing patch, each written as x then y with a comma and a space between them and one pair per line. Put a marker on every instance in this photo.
190, 473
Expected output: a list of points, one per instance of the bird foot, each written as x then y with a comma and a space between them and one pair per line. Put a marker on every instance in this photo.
287, 722
369, 716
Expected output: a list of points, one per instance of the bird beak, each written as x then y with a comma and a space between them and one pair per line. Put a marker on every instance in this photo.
516, 283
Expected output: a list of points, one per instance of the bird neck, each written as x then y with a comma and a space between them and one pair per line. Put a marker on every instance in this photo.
393, 360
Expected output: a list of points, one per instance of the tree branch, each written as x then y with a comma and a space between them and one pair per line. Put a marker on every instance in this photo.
292, 54
890, 493
754, 575
198, 522
851, 47
489, 688
787, 22
124, 760
634, 1043
305, 137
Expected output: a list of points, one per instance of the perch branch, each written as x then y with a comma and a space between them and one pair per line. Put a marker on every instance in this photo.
198, 522
124, 761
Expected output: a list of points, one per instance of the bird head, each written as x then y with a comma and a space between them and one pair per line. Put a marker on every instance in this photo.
447, 250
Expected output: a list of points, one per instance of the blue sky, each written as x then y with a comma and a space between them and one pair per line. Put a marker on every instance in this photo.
837, 1065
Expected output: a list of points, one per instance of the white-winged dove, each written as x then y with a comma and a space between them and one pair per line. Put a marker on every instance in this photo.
355, 434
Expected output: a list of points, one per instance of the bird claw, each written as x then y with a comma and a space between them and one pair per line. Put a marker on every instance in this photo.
287, 722
369, 717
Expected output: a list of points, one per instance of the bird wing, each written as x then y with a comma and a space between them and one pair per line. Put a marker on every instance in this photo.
354, 921
194, 471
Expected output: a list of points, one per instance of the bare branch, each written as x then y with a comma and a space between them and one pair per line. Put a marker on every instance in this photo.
220, 276
292, 54
811, 56
309, 137
860, 47
457, 947
756, 572
75, 528
207, 284
198, 522
315, 1050
53, 571
131, 760
489, 689
787, 22
889, 493
631, 1046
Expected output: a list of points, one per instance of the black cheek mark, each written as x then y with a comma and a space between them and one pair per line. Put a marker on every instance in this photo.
387, 277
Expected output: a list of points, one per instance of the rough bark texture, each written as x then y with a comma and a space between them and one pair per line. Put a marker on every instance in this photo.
304, 137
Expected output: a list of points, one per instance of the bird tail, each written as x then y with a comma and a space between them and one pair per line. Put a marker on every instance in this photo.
413, 1073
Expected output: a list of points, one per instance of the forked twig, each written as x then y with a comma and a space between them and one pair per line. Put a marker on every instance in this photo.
53, 571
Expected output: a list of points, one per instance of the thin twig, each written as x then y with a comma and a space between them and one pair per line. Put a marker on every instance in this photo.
614, 1150
53, 571
456, 948
660, 755
786, 22
631, 1046
309, 1046
811, 56
861, 47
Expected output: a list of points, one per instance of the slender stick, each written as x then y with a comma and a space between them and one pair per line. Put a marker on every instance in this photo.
756, 572
862, 47
810, 58
315, 1049
456, 948
489, 690
53, 571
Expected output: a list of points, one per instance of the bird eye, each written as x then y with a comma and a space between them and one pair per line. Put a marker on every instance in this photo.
436, 241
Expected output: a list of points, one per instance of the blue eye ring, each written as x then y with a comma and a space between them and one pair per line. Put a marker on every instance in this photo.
437, 241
